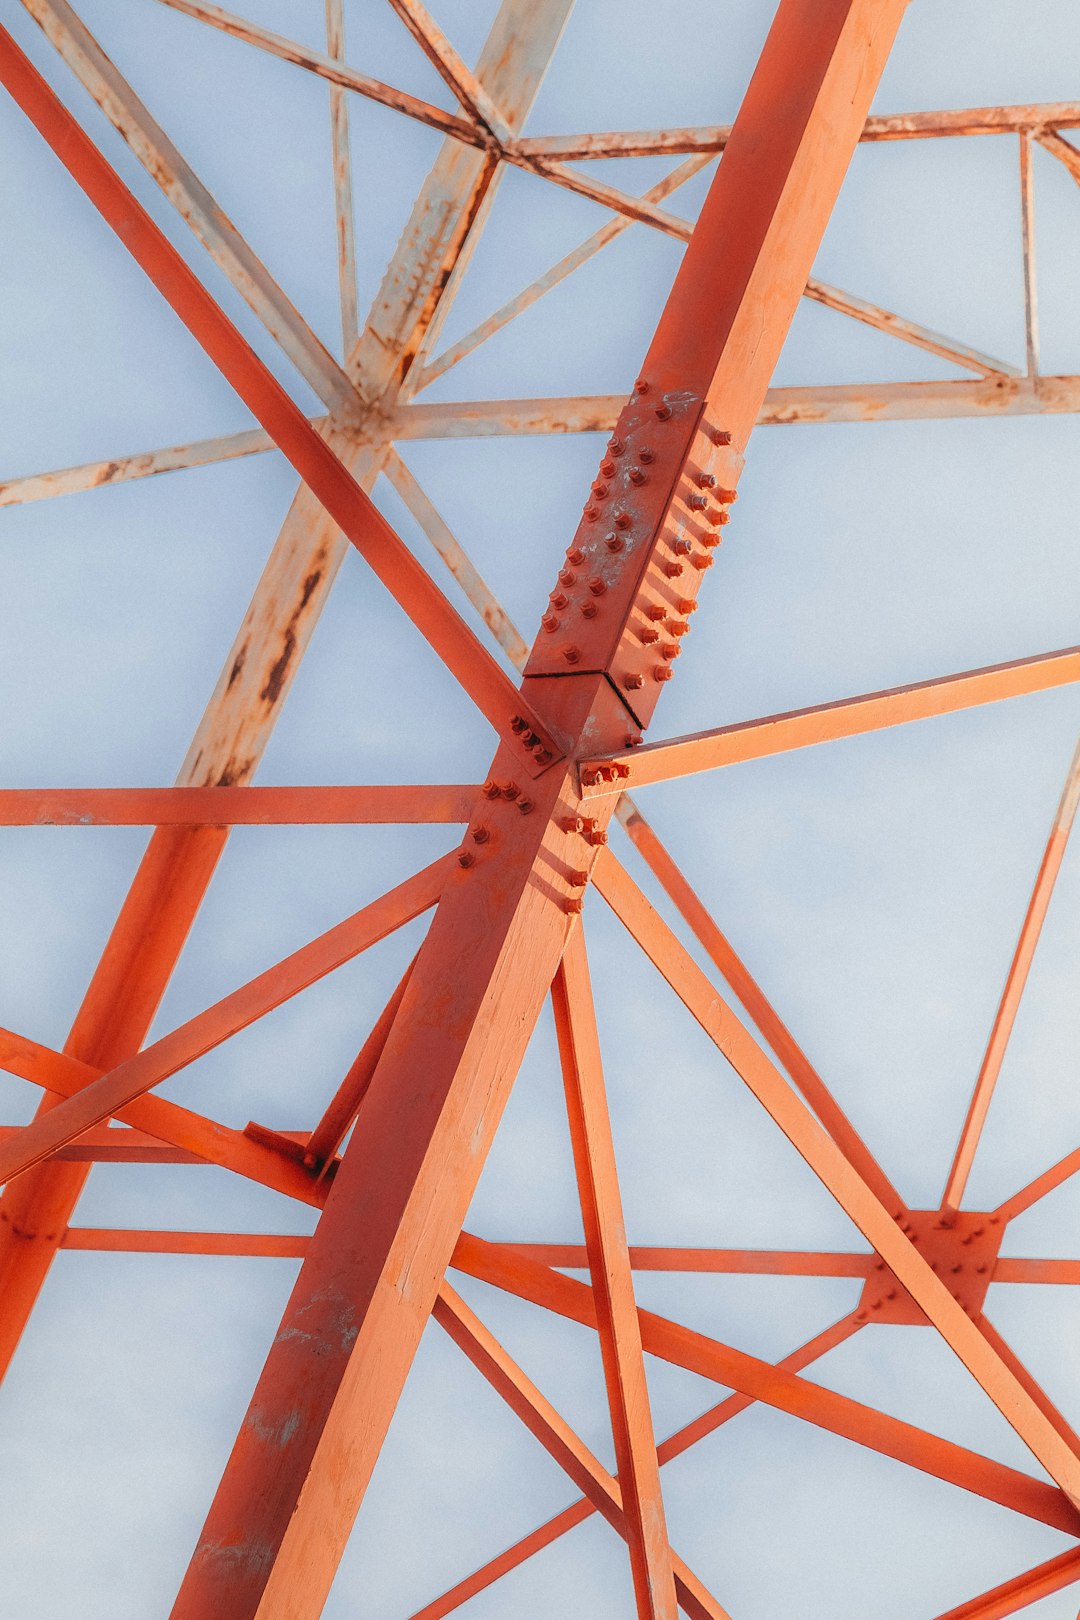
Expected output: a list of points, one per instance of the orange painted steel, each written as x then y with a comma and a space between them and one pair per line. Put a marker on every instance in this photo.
587, 1472
1017, 977
612, 1285
231, 806
827, 722
776, 1387
429, 1084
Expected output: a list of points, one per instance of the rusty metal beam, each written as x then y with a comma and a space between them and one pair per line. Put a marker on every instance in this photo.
328, 67
1015, 983
341, 158
181, 185
1036, 116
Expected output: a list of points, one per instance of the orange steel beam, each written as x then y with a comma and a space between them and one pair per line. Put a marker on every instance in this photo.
577, 1512
1015, 983
757, 1262
1009, 1392
827, 722
774, 1030
1013, 1596
205, 1139
556, 1436
613, 1285
149, 934
325, 474
231, 806
114, 1091
773, 1386
344, 1106
264, 1245
281, 1516
1057, 1173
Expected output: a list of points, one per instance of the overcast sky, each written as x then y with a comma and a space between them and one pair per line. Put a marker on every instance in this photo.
874, 886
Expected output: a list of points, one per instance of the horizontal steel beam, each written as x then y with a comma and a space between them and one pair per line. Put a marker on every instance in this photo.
233, 806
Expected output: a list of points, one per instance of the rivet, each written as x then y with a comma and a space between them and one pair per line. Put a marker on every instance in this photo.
589, 610
656, 613
726, 495
577, 880
593, 833
576, 556
572, 824
678, 627
717, 516
567, 575
686, 605
559, 599
696, 503
663, 412
663, 672
623, 521
517, 724
670, 650
542, 757
721, 436
600, 489
681, 547
673, 570
464, 858
480, 835
571, 654
981, 1270
641, 386
616, 446
710, 540
614, 542
491, 790
702, 561
956, 1268
648, 635
607, 468
510, 790
572, 905
706, 481
637, 476
632, 682
597, 586
646, 454
525, 806
592, 513
550, 622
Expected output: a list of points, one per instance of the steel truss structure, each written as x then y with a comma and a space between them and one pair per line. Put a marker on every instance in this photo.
427, 1089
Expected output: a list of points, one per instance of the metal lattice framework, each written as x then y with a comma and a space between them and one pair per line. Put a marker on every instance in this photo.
505, 902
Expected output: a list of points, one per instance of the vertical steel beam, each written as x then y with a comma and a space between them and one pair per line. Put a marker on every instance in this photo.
316, 1424
613, 1286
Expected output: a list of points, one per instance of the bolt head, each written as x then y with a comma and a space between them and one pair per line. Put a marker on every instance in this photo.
633, 682
641, 386
572, 655
647, 454
686, 604
576, 556
614, 542
638, 476
607, 468
597, 586
663, 672
589, 610
465, 858
624, 521
663, 413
